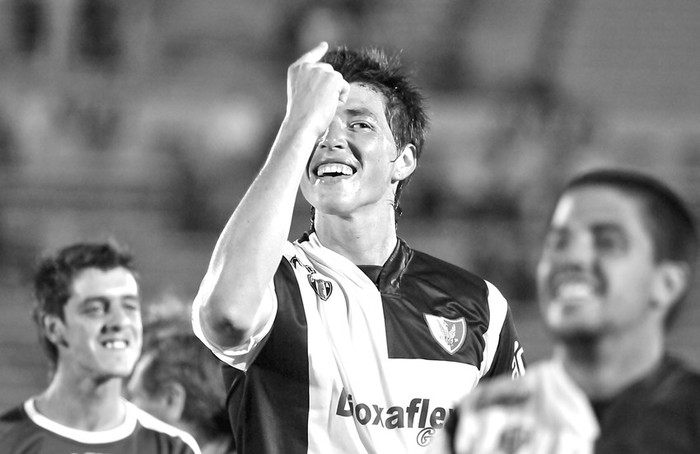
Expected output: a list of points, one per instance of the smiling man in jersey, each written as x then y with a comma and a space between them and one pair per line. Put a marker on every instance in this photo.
89, 317
616, 265
346, 340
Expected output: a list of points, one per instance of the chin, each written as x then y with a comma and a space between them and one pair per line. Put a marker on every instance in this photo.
118, 371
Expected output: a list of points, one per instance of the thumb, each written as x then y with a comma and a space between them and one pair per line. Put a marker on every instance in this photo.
344, 92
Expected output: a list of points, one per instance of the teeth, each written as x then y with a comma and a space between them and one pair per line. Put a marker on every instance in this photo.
575, 290
333, 169
115, 344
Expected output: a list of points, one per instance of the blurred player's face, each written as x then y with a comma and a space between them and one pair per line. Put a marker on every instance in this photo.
355, 164
597, 270
100, 335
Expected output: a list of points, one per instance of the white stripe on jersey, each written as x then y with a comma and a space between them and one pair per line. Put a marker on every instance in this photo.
133, 416
499, 308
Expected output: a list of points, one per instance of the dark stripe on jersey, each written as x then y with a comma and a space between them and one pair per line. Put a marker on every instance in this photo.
274, 392
413, 284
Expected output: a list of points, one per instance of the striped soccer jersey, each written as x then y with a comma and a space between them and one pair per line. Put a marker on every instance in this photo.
23, 430
341, 365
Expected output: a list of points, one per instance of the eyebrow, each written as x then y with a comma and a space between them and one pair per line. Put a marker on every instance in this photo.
360, 111
103, 298
606, 227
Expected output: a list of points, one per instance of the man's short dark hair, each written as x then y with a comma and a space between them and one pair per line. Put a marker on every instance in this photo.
56, 272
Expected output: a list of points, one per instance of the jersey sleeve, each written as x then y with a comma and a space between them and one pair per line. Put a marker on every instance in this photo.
503, 353
240, 356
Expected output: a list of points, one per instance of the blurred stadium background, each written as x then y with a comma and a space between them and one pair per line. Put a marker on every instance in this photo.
145, 120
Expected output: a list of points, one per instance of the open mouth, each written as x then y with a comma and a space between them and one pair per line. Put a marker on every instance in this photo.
334, 169
571, 286
115, 344
574, 290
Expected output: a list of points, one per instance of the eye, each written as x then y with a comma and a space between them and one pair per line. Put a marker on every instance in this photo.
610, 241
95, 308
132, 304
556, 240
360, 125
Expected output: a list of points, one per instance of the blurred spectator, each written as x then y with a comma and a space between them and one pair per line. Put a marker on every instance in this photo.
179, 380
89, 317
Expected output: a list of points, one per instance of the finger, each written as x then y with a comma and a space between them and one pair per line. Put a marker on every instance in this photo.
314, 54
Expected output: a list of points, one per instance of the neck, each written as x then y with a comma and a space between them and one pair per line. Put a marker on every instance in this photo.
368, 240
84, 404
604, 367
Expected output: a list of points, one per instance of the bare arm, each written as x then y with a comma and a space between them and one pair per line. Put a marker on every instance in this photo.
250, 247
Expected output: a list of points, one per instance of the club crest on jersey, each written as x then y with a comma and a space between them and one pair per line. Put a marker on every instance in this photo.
322, 288
450, 334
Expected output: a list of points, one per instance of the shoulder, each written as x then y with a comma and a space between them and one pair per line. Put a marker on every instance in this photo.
13, 423
427, 267
13, 415
17, 430
673, 381
676, 369
425, 270
178, 440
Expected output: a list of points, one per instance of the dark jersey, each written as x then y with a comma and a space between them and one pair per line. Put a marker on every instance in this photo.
659, 414
342, 364
25, 431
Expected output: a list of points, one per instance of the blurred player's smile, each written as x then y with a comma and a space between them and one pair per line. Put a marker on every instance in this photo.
572, 287
574, 291
115, 344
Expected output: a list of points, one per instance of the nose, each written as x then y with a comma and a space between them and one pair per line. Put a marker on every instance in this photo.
119, 317
333, 137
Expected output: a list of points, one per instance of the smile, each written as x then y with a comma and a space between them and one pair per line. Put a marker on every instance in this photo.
115, 344
574, 290
334, 169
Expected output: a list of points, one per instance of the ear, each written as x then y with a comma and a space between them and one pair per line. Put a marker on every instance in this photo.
405, 163
670, 284
54, 329
174, 400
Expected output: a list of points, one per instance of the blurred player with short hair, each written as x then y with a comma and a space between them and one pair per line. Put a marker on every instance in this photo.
616, 265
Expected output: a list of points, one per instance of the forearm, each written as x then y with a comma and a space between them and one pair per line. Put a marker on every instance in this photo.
250, 247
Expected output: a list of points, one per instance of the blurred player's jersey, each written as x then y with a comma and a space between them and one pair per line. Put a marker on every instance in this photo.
544, 412
25, 431
658, 414
342, 364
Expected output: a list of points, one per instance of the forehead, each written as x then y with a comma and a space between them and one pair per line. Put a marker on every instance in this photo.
595, 205
365, 98
114, 282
